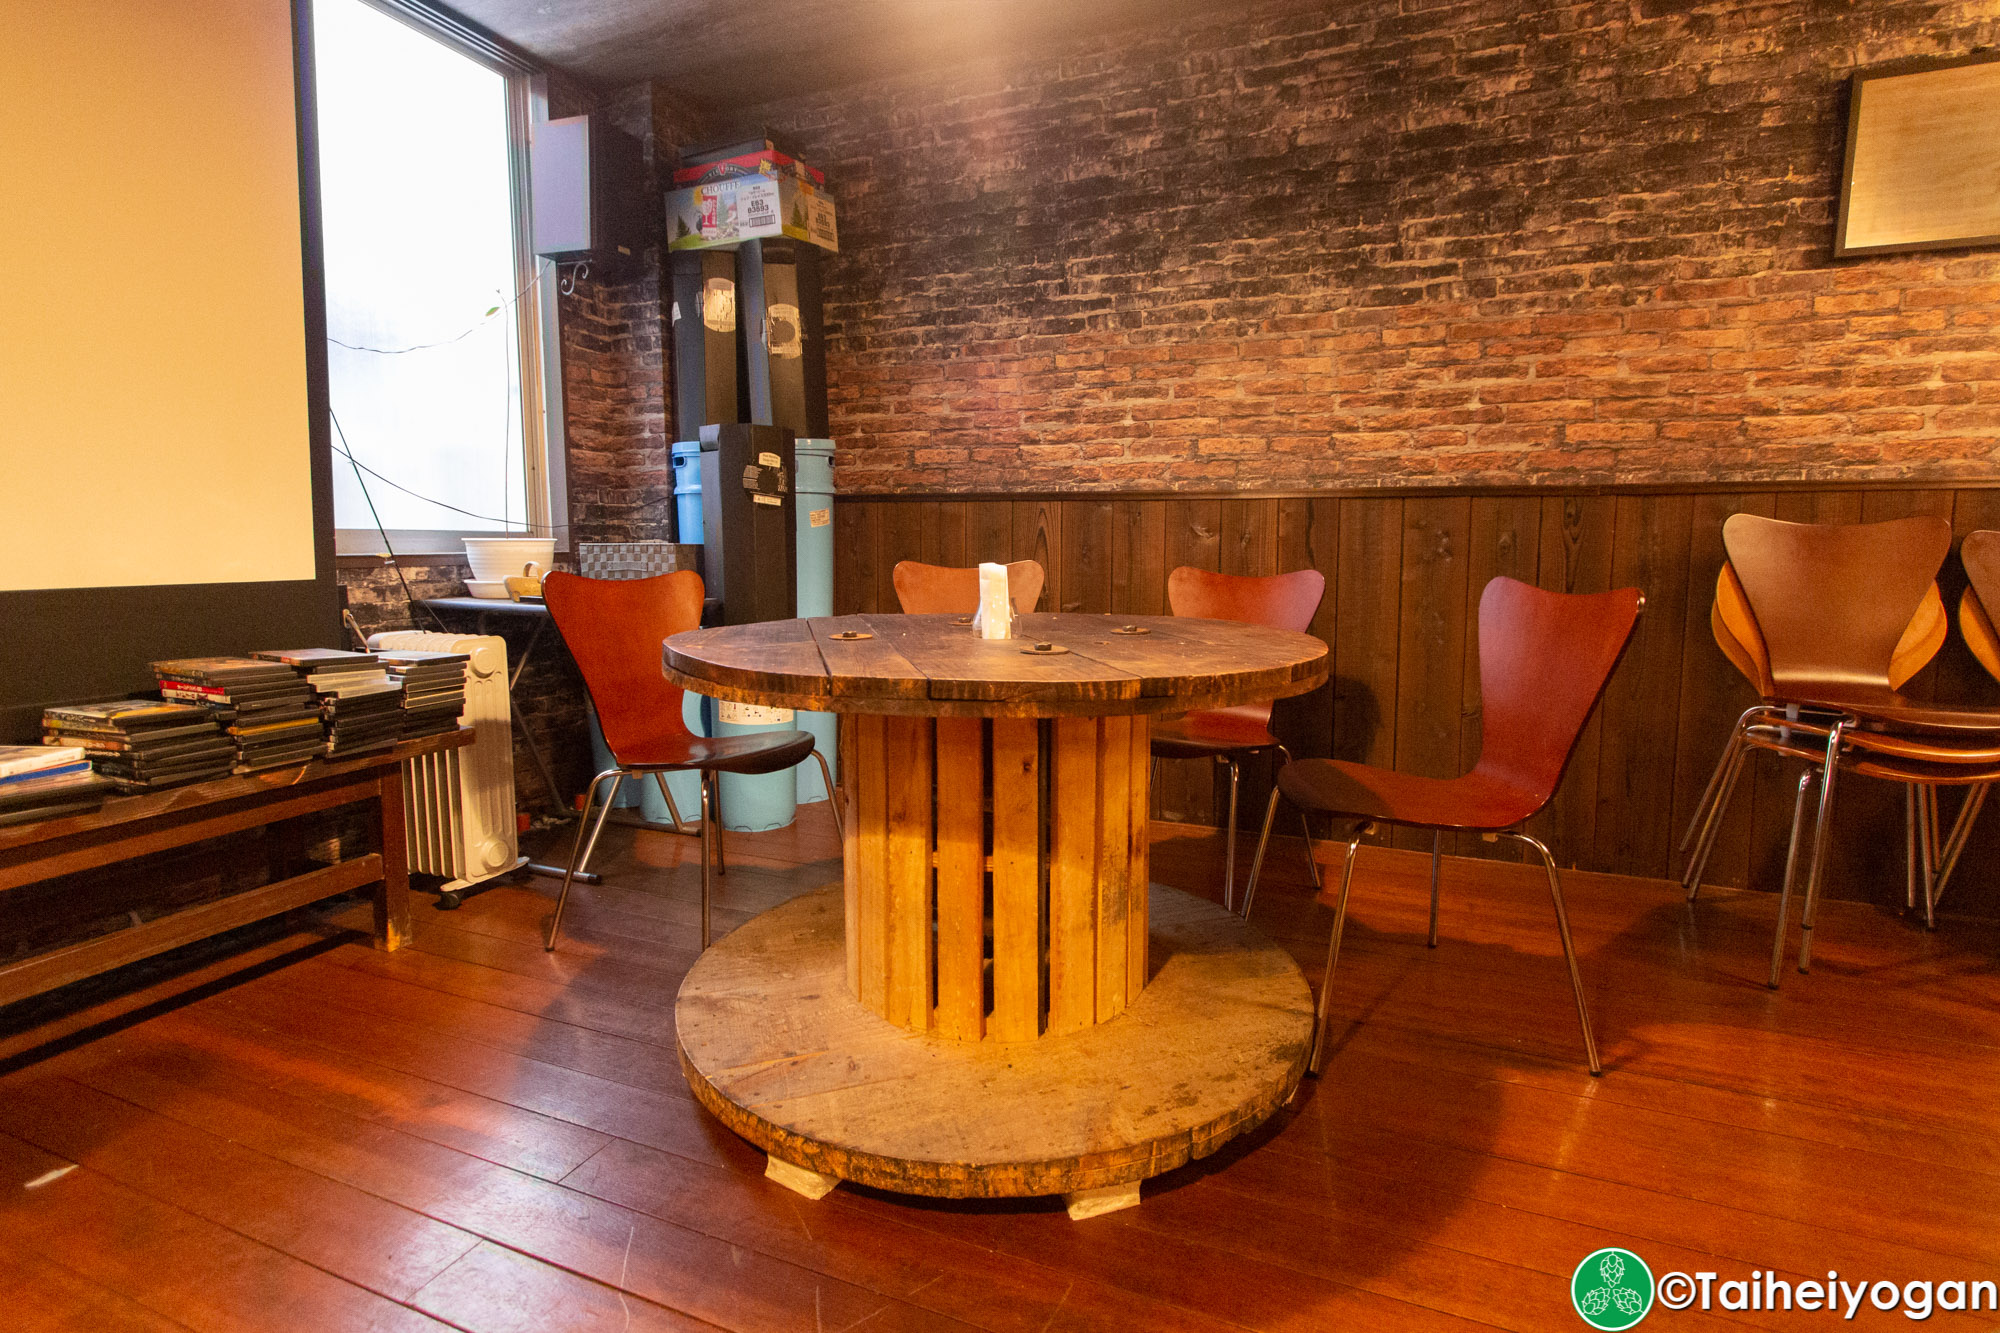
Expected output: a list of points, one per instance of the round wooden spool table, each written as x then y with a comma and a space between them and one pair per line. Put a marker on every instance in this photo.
995, 1001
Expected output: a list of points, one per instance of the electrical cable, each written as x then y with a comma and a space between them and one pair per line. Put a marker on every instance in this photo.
389, 550
484, 518
567, 286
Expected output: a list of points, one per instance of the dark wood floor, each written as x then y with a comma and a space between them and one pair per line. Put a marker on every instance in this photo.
307, 1134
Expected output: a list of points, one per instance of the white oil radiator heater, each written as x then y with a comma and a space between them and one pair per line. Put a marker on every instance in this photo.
458, 805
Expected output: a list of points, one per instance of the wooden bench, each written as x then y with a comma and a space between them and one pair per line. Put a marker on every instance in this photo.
133, 826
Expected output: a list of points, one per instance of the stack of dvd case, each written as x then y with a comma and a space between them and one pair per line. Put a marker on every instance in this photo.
359, 702
265, 707
433, 689
48, 781
143, 744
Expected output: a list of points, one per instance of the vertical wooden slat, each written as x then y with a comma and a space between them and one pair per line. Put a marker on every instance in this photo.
1249, 537
961, 879
1641, 706
871, 797
1087, 540
1072, 873
1366, 634
1138, 859
1430, 653
850, 727
989, 532
1114, 853
854, 560
1017, 907
1139, 558
908, 744
1038, 537
1577, 537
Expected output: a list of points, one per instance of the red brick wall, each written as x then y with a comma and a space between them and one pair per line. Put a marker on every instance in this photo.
1360, 243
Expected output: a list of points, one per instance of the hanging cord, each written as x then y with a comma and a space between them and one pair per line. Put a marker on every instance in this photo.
389, 550
506, 304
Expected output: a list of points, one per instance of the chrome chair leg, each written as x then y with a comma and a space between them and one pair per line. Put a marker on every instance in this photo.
1791, 862
1961, 832
673, 810
1569, 948
1437, 857
1229, 841
1312, 862
1909, 845
715, 812
1927, 840
1708, 794
1822, 838
579, 854
1739, 759
1257, 861
710, 843
832, 796
1333, 951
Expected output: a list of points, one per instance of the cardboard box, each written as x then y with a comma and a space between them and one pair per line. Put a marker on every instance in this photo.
723, 213
767, 161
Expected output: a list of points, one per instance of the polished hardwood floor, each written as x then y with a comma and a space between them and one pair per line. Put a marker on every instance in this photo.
297, 1132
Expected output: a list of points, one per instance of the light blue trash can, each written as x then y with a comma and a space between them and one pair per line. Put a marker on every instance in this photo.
752, 804
688, 525
813, 513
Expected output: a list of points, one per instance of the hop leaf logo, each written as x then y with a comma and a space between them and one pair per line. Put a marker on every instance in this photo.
1612, 1289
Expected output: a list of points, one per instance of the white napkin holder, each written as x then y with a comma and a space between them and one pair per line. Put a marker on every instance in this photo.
995, 617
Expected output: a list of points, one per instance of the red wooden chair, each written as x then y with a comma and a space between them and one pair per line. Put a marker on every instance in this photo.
939, 590
614, 629
1544, 659
1229, 735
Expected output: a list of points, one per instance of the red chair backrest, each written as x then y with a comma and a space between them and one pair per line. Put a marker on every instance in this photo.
1544, 659
1833, 600
1282, 601
953, 590
614, 628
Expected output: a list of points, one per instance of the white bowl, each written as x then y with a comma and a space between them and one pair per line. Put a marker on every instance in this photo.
496, 558
487, 588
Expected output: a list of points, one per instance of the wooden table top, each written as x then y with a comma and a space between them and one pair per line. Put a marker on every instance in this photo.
938, 666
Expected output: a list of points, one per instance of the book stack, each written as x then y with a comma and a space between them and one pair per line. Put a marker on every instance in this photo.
264, 706
359, 702
143, 744
433, 689
45, 781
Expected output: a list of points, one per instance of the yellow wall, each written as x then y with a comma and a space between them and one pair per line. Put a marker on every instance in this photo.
153, 424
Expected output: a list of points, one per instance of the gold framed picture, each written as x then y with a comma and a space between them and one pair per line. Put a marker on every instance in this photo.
1923, 158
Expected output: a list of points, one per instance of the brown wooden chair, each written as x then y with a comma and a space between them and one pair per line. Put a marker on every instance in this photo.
1882, 640
1845, 615
1832, 620
951, 590
614, 629
1544, 659
1229, 735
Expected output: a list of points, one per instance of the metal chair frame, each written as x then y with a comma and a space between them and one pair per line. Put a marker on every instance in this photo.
1322, 1017
710, 827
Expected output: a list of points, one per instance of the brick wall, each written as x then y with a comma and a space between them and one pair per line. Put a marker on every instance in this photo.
1395, 242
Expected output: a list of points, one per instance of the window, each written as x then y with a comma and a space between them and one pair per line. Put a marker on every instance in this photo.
437, 310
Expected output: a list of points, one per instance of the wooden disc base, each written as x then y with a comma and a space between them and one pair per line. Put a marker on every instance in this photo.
776, 1047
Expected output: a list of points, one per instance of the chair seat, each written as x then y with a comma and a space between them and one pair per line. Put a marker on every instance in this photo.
1215, 731
1898, 712
1476, 802
758, 752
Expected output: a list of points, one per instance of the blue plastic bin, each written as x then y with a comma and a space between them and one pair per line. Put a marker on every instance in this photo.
814, 516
